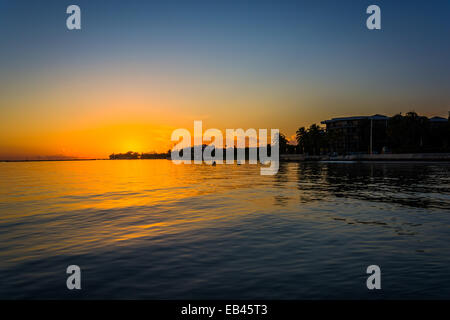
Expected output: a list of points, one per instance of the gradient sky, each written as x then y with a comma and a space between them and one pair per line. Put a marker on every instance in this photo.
139, 69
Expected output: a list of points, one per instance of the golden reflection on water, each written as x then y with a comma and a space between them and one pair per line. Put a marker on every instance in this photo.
80, 205
151, 224
71, 207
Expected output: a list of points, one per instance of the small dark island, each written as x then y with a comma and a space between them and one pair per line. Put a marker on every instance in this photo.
136, 155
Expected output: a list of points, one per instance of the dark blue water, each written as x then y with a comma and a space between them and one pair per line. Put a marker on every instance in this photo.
154, 230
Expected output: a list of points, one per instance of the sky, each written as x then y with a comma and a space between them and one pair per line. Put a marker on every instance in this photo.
137, 70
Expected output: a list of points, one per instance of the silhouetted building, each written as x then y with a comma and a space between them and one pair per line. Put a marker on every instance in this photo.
363, 134
438, 122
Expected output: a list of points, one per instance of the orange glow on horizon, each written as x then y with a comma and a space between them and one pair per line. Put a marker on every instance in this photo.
103, 109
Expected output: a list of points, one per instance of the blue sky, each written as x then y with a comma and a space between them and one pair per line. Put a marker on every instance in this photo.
323, 40
287, 63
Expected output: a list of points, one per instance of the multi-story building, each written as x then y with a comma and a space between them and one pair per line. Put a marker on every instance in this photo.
363, 134
438, 122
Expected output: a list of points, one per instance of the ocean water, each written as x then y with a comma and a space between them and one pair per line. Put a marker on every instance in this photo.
149, 229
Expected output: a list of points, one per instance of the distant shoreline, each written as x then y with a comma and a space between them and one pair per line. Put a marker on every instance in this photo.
406, 157
392, 157
50, 160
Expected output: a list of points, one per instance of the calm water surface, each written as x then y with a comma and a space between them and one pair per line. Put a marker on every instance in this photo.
151, 229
